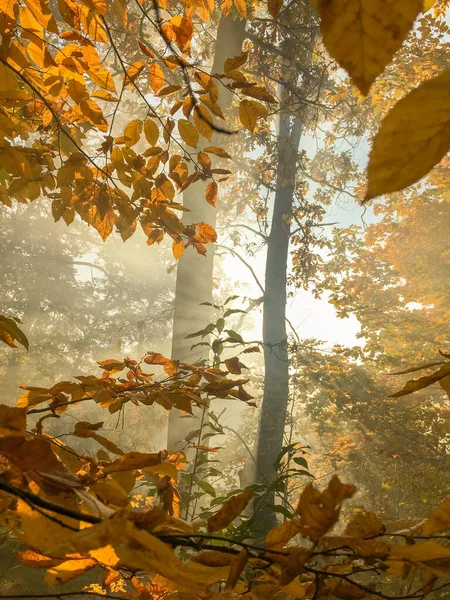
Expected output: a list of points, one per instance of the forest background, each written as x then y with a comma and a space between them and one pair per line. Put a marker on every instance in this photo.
270, 296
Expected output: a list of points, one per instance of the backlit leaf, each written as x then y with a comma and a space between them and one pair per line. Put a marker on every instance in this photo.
413, 138
363, 35
212, 190
132, 132
157, 79
188, 132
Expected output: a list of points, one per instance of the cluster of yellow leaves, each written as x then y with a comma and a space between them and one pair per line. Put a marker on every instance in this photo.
74, 513
59, 90
414, 136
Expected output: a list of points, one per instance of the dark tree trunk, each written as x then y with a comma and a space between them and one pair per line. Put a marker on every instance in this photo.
195, 272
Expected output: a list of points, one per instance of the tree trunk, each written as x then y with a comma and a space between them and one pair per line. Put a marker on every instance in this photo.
276, 376
194, 282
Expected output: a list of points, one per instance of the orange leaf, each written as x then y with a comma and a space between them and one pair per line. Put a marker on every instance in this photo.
206, 232
212, 191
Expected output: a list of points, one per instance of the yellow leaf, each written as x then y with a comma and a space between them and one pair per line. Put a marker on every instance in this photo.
163, 469
432, 556
237, 565
183, 30
151, 131
231, 64
177, 249
94, 27
9, 7
217, 151
364, 525
241, 7
93, 112
203, 121
363, 35
102, 77
204, 160
132, 132
76, 89
249, 111
156, 77
104, 95
68, 570
295, 588
117, 158
98, 6
413, 137
188, 132
110, 492
134, 71
206, 232
28, 558
279, 536
132, 461
104, 225
105, 556
229, 510
40, 533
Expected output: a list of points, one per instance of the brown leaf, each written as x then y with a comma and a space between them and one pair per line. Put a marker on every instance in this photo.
132, 461
364, 525
212, 190
319, 511
417, 384
230, 509
237, 565
13, 421
279, 536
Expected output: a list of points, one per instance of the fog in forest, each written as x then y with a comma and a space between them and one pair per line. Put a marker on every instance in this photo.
224, 259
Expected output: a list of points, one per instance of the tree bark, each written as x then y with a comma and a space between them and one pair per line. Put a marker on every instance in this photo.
194, 282
276, 358
276, 376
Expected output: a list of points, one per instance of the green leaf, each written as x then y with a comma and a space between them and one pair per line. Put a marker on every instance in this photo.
233, 336
206, 487
220, 324
278, 508
300, 461
10, 332
282, 453
217, 346
233, 311
305, 473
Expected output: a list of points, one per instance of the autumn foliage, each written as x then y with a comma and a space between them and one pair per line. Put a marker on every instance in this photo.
66, 70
